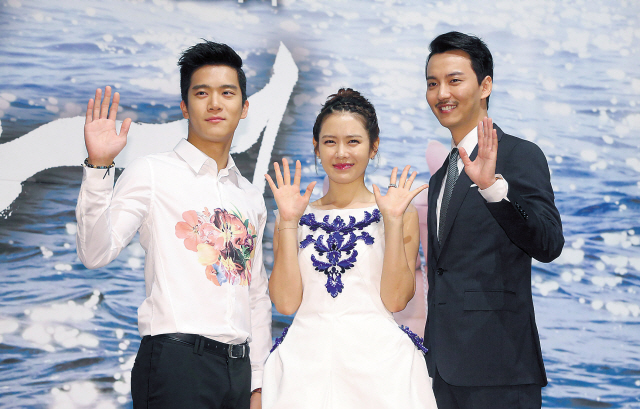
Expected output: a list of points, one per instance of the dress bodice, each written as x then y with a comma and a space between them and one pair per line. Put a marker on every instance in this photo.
340, 257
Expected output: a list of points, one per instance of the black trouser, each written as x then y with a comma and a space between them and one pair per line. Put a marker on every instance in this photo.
172, 374
486, 397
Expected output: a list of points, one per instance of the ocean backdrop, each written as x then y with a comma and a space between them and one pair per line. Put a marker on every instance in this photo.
567, 77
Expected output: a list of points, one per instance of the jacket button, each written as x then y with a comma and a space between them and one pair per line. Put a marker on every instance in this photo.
440, 271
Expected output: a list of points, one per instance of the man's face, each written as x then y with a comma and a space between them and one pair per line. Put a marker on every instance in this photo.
215, 105
453, 92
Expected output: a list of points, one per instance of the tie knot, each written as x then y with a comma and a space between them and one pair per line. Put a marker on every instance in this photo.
454, 153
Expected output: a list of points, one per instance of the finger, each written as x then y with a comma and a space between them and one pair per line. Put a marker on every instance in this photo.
89, 115
113, 112
494, 140
276, 167
298, 175
488, 128
394, 176
403, 176
417, 190
307, 193
464, 157
96, 105
376, 192
104, 109
410, 180
286, 172
270, 182
481, 140
124, 128
492, 135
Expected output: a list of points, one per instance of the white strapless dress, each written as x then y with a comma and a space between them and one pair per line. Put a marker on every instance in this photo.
344, 349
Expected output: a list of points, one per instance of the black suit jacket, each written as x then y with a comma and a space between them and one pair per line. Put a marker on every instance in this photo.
481, 328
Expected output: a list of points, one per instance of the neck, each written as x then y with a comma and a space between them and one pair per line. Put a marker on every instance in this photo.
343, 195
215, 150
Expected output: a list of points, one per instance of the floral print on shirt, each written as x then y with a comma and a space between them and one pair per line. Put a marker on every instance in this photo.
224, 242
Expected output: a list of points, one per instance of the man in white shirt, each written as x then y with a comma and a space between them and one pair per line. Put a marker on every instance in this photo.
491, 211
206, 319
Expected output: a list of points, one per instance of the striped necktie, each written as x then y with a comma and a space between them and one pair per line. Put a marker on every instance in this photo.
452, 176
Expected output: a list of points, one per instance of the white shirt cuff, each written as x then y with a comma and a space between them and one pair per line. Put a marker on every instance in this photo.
256, 379
496, 192
96, 180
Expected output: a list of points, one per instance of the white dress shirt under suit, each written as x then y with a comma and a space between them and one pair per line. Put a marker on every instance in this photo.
162, 196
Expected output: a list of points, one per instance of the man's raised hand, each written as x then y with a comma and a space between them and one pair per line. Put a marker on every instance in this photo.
482, 171
100, 136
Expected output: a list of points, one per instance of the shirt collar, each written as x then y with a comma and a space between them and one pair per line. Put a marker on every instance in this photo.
196, 159
469, 142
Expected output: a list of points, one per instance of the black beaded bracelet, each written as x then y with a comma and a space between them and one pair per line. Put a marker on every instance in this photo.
88, 165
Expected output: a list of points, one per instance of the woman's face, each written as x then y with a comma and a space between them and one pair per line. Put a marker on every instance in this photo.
343, 147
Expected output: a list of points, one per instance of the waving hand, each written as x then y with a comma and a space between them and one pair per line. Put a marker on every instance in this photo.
482, 171
100, 136
291, 203
397, 199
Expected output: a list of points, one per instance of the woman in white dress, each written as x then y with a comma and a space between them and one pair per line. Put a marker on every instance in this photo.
344, 264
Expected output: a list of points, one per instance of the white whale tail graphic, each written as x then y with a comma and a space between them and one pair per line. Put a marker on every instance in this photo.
60, 142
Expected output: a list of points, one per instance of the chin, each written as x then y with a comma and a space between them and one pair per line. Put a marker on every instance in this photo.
448, 123
343, 179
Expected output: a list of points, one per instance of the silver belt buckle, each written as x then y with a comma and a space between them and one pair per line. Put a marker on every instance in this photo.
231, 351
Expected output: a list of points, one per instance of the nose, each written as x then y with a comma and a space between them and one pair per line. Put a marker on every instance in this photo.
214, 102
341, 152
443, 92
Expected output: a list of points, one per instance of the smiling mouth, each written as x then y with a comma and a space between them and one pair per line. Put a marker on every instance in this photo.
446, 108
343, 166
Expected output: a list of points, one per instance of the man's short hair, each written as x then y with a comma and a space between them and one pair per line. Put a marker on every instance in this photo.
209, 53
481, 59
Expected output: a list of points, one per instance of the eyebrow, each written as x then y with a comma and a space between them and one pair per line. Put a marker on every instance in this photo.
346, 136
205, 86
452, 74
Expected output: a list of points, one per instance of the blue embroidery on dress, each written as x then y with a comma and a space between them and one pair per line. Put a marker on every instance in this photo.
279, 339
417, 340
341, 238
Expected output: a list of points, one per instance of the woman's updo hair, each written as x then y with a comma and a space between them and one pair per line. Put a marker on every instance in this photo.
349, 100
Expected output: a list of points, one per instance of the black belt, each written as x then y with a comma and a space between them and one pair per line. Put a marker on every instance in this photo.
201, 343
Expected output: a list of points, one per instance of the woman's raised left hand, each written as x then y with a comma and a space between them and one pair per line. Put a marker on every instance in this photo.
395, 202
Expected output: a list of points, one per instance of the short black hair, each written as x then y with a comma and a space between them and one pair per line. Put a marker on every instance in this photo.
209, 53
481, 58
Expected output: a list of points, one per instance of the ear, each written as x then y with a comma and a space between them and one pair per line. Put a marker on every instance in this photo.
374, 149
315, 146
245, 109
183, 108
487, 85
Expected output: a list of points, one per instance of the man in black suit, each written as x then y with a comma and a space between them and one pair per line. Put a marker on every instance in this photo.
486, 223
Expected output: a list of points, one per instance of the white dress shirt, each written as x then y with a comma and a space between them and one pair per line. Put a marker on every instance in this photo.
202, 233
494, 193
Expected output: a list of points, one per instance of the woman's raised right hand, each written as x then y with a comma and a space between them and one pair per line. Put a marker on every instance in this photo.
291, 203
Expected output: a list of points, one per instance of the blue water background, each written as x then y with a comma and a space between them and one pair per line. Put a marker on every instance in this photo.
567, 77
